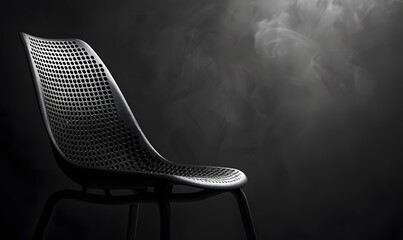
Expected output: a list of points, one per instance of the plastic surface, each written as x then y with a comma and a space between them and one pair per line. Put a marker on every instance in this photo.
95, 137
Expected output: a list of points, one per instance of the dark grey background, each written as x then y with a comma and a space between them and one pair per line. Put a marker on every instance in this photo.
304, 96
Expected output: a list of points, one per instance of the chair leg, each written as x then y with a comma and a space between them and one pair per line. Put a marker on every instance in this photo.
245, 214
132, 225
46, 215
165, 212
165, 220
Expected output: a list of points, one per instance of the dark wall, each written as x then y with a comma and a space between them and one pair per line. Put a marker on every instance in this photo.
304, 96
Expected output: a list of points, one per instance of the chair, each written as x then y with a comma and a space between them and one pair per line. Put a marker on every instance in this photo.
98, 143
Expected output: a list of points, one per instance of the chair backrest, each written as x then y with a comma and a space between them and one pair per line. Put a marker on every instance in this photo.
86, 115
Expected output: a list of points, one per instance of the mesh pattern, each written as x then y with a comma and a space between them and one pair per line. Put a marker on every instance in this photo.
82, 113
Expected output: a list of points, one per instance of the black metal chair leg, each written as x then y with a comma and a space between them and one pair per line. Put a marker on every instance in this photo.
165, 221
132, 225
45, 216
245, 214
165, 211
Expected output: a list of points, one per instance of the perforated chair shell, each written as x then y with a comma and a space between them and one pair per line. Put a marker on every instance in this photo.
93, 132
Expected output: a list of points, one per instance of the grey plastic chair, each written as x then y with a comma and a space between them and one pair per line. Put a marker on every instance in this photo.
98, 143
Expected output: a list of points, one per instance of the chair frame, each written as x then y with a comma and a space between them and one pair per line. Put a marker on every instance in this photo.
162, 196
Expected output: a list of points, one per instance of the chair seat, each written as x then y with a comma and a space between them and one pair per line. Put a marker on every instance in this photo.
202, 176
208, 177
